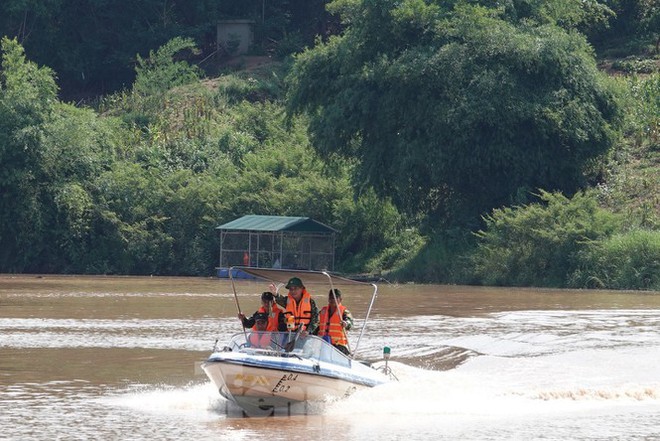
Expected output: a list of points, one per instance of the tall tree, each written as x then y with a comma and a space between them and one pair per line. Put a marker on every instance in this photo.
454, 110
27, 96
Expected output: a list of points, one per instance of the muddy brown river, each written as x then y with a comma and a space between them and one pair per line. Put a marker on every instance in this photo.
117, 358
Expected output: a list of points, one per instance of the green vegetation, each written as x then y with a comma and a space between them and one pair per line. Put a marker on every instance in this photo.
629, 260
139, 186
539, 243
456, 111
92, 44
448, 141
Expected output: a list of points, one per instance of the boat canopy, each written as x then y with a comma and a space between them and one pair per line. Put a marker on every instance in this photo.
282, 276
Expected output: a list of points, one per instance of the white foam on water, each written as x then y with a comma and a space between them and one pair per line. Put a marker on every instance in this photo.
495, 387
197, 400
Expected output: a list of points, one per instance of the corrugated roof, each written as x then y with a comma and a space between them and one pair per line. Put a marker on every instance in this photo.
276, 223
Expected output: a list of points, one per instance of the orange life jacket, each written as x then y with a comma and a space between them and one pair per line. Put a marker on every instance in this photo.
273, 318
301, 311
330, 325
259, 339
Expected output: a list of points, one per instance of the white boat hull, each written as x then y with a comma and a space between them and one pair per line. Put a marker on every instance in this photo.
261, 382
259, 390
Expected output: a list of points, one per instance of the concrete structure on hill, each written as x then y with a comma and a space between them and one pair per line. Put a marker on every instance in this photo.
235, 36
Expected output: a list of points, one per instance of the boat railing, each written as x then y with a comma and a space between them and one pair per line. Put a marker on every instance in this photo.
288, 344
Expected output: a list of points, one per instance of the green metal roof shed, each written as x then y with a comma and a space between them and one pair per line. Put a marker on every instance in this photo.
277, 242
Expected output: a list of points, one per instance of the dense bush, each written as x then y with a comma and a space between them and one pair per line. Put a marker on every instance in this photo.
628, 260
160, 72
611, 241
451, 111
384, 239
139, 186
441, 258
631, 184
538, 244
636, 65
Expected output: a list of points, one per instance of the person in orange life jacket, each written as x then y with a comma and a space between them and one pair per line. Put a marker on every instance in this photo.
334, 320
260, 337
300, 305
274, 314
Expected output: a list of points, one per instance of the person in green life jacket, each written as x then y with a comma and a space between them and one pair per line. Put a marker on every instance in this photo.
334, 320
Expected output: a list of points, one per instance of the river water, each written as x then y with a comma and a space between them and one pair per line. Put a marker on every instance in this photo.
118, 358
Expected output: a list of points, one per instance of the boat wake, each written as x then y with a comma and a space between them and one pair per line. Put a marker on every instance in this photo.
489, 372
440, 359
623, 393
479, 390
420, 396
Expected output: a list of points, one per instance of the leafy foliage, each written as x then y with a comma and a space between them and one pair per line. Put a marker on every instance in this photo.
142, 194
92, 44
27, 95
632, 177
160, 72
585, 16
409, 97
138, 186
629, 260
539, 244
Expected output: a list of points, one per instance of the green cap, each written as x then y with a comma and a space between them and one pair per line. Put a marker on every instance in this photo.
294, 281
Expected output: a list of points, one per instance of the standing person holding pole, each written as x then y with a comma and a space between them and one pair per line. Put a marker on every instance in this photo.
334, 320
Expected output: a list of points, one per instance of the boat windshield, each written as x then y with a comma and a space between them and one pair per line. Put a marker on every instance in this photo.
286, 344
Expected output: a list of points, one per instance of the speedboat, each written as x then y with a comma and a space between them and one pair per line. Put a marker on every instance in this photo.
285, 378
284, 373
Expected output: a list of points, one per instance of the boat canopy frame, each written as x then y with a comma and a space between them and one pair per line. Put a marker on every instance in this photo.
277, 242
279, 277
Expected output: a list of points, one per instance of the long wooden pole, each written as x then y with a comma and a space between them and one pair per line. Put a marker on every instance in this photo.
233, 287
